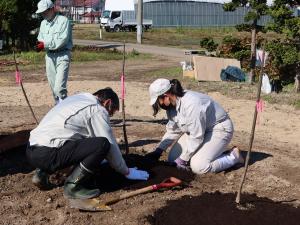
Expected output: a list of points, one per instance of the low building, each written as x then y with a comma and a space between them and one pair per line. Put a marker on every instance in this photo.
196, 13
80, 11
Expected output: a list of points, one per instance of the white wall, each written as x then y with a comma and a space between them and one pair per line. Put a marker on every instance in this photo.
119, 5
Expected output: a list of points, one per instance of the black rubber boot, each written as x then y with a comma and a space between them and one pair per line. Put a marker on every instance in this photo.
41, 180
73, 185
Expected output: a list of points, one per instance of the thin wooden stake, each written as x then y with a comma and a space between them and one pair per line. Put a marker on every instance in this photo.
123, 105
238, 197
24, 93
100, 32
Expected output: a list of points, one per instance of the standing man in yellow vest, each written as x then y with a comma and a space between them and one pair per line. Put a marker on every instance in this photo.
55, 37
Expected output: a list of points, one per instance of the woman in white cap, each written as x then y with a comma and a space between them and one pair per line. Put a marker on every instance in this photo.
206, 127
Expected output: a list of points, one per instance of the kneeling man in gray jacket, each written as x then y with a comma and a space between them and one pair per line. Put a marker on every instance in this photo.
77, 132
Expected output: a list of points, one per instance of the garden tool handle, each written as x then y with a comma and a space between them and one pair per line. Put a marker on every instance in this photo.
170, 182
130, 194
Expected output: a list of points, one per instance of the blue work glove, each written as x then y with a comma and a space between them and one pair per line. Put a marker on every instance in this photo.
182, 164
155, 155
135, 174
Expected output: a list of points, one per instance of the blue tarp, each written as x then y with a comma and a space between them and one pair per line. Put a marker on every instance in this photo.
233, 73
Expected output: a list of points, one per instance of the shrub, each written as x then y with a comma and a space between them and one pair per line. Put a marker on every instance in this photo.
208, 43
283, 59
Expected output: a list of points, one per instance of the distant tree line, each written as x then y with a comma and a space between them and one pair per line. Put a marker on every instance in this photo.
17, 21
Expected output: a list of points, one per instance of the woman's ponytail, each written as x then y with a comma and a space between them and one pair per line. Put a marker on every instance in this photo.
176, 88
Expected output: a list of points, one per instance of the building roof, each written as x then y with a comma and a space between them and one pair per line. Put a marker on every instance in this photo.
92, 14
209, 1
77, 3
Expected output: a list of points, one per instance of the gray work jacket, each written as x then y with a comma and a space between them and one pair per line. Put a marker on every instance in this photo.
77, 117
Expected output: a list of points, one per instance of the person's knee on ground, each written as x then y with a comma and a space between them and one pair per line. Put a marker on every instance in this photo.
40, 176
227, 160
200, 166
40, 179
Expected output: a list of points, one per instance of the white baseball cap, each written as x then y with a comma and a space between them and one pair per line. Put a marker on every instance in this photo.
43, 5
158, 88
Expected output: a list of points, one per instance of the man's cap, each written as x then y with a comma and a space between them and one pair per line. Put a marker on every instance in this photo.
43, 5
158, 88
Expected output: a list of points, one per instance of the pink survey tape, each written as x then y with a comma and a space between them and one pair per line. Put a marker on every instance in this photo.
259, 106
259, 109
18, 77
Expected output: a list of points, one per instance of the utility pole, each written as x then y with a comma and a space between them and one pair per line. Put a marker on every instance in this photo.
139, 27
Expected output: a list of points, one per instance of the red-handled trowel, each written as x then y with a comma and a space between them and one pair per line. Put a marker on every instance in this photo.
95, 204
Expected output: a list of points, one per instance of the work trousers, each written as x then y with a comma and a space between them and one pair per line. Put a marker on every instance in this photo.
57, 70
214, 145
89, 151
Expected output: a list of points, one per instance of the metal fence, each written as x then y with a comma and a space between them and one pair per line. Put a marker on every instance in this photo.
193, 14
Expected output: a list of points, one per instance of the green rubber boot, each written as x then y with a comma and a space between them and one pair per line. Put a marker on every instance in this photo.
73, 185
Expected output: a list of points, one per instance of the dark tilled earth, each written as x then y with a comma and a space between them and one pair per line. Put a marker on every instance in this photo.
220, 208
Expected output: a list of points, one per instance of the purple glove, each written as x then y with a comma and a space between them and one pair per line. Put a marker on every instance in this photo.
181, 164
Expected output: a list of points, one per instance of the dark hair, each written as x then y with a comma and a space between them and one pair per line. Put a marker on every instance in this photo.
155, 108
108, 93
176, 89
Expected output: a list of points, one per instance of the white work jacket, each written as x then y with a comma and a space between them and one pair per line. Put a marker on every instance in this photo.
77, 117
194, 114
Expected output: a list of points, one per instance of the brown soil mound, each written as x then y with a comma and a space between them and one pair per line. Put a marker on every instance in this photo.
216, 208
108, 180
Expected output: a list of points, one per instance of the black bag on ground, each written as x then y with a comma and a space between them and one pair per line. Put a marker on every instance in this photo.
276, 85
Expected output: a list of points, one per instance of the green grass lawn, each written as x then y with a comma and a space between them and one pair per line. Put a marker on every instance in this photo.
177, 37
33, 60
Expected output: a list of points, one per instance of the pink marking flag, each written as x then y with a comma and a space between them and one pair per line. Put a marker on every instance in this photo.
259, 106
123, 86
259, 109
18, 77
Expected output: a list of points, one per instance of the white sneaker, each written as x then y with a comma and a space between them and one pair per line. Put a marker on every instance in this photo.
236, 154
